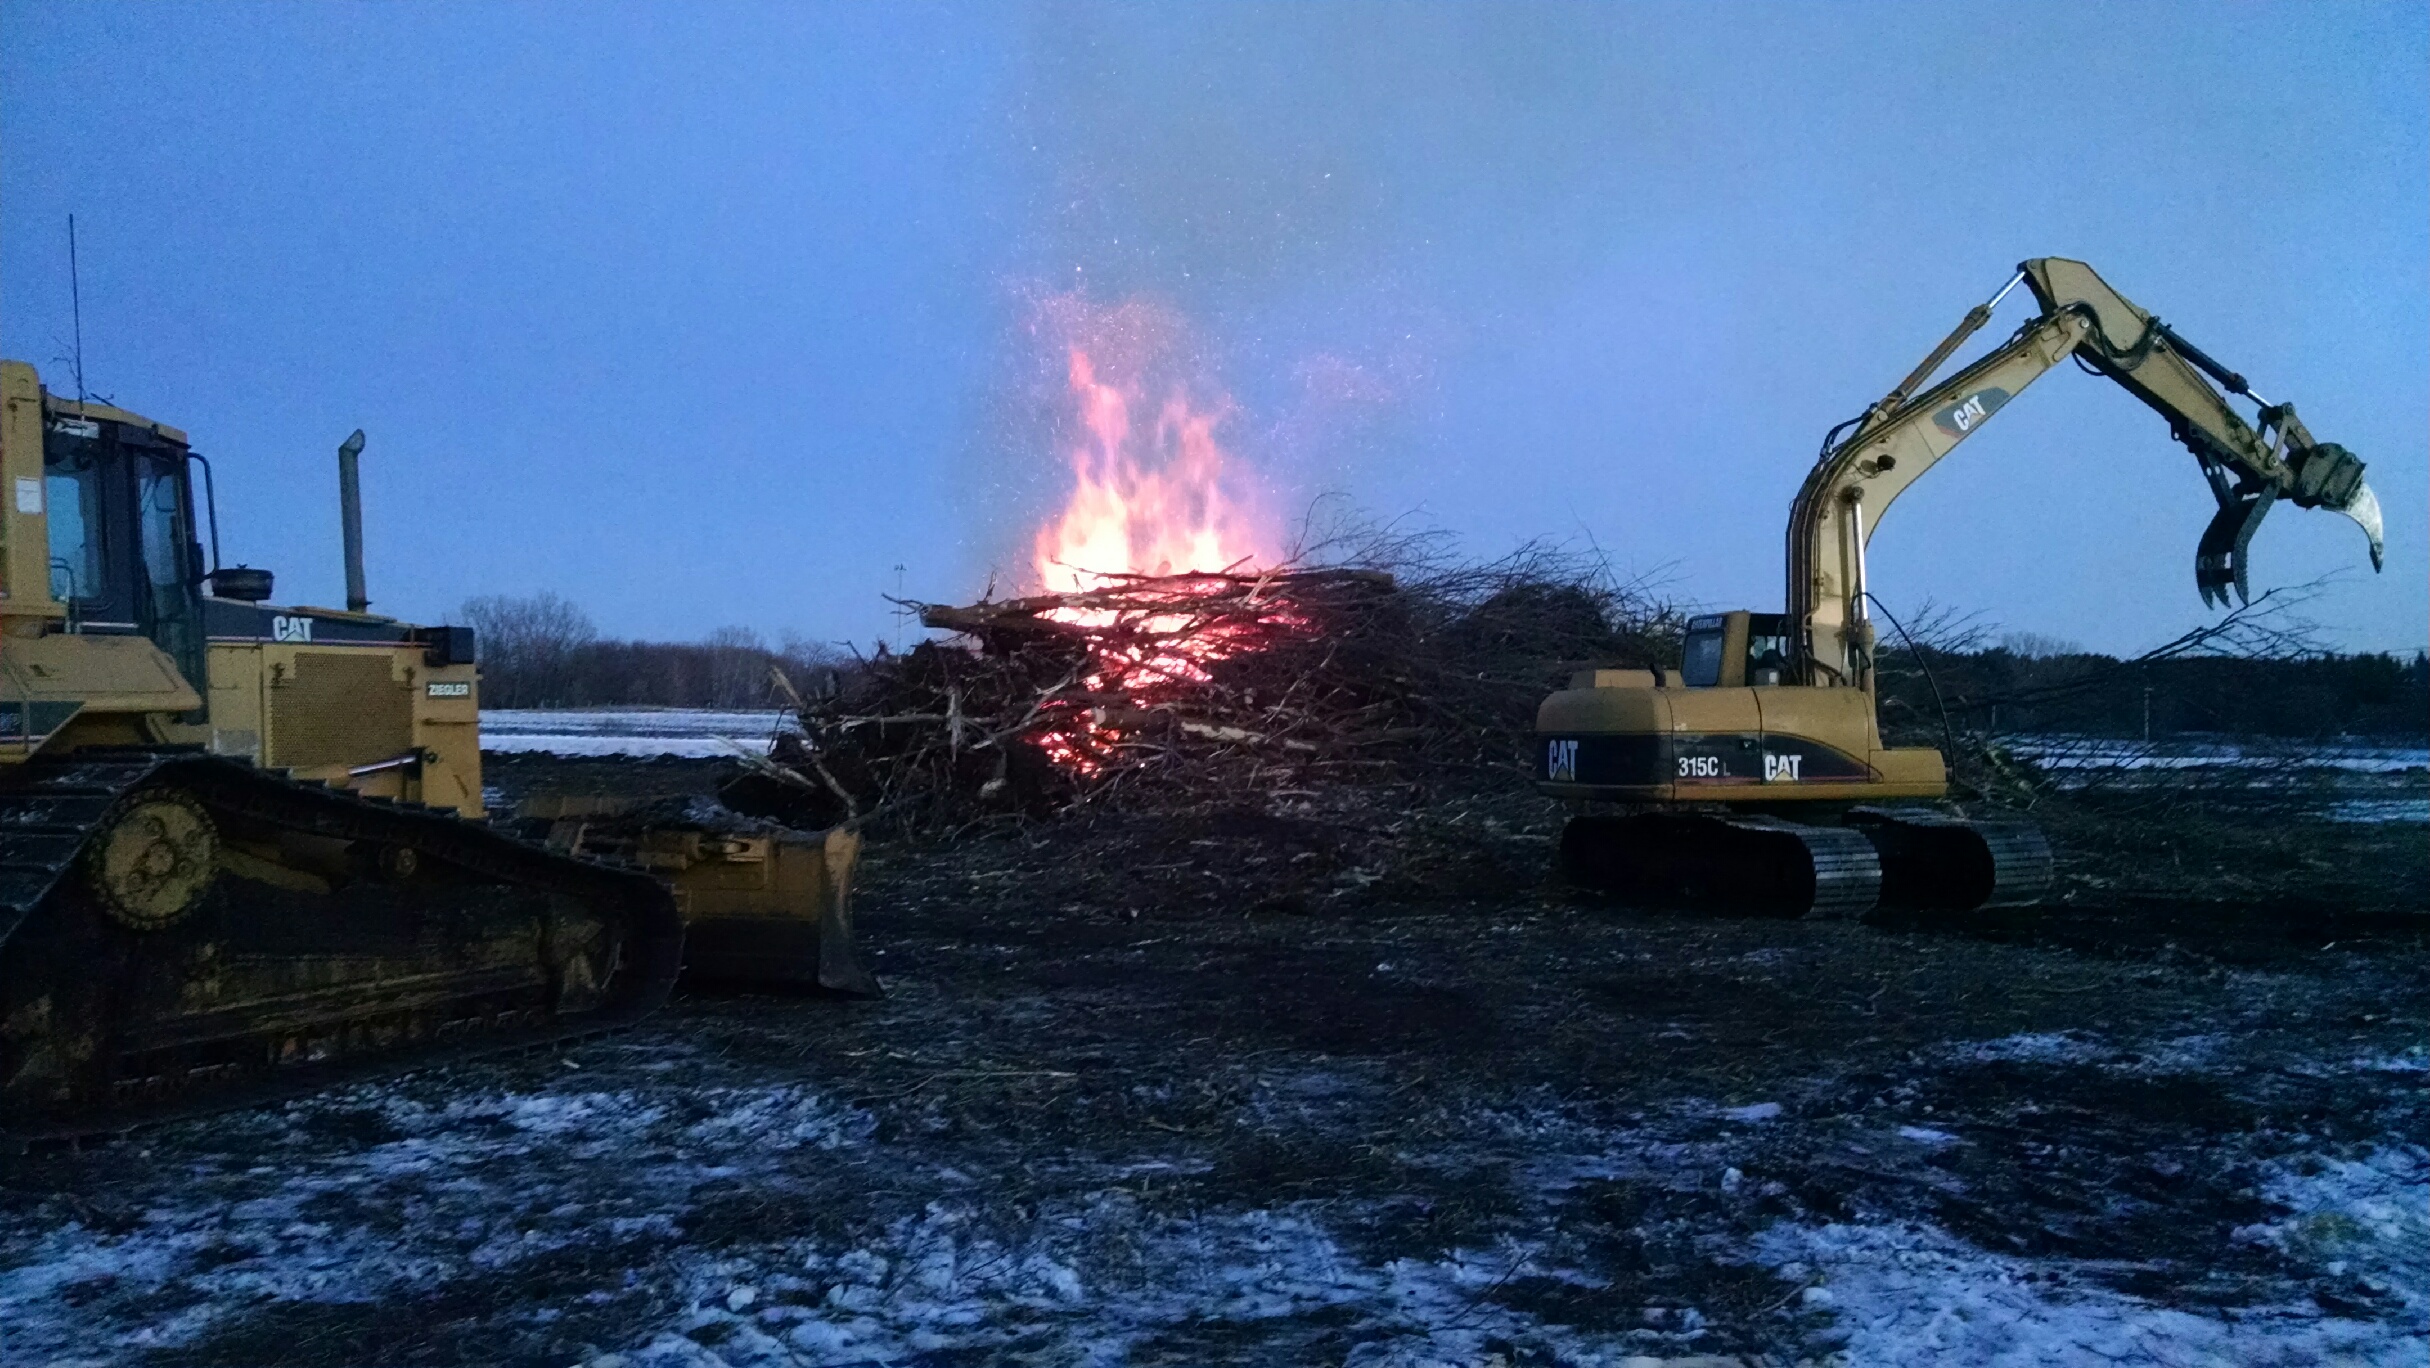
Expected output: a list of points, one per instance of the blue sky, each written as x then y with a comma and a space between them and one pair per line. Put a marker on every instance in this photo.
707, 315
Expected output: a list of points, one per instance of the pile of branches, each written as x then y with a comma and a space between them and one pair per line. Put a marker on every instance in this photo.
1174, 690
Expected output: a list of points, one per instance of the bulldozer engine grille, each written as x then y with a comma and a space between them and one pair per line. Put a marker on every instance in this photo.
338, 708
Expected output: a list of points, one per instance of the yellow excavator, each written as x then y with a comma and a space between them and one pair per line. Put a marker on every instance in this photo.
244, 849
1754, 776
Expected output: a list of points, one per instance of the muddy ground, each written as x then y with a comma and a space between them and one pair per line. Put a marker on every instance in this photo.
1317, 1080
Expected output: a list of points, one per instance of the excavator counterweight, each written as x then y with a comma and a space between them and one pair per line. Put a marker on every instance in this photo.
1710, 779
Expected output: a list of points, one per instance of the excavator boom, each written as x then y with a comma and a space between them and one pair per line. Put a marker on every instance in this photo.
2248, 466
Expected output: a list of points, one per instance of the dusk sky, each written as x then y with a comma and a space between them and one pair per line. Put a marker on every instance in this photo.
716, 314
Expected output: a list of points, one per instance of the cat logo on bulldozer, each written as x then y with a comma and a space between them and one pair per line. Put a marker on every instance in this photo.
1780, 768
1561, 761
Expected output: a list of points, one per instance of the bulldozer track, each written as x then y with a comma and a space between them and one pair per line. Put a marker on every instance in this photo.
52, 811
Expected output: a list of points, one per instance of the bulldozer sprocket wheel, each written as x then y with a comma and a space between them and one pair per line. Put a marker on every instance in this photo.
152, 857
260, 986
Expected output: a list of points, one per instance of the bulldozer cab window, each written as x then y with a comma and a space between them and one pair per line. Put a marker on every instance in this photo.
171, 609
1700, 662
1767, 648
71, 490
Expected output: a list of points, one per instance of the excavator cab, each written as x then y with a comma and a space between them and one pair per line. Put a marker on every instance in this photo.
1735, 650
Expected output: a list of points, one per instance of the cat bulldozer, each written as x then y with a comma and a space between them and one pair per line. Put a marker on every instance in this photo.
1754, 775
244, 849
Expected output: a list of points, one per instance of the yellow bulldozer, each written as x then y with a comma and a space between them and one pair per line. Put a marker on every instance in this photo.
1754, 775
244, 848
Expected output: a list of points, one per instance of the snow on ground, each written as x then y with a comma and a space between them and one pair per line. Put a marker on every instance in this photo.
1912, 1295
2080, 752
486, 1186
694, 732
446, 1187
702, 732
2345, 783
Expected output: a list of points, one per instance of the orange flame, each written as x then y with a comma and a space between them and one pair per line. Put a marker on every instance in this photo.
1152, 500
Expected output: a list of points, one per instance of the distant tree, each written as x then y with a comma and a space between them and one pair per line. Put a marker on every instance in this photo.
2036, 646
528, 647
737, 668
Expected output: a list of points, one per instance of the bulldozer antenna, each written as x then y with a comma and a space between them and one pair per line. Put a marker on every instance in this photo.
76, 308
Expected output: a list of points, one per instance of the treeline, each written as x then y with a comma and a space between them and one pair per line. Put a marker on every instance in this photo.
2002, 690
544, 652
2244, 677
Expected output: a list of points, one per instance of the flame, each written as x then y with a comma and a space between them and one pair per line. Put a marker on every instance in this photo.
1154, 497
1147, 499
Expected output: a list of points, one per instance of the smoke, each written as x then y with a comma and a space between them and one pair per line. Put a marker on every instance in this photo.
1300, 211
1234, 156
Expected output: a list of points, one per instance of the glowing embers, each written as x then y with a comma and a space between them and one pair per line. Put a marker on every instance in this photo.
1148, 645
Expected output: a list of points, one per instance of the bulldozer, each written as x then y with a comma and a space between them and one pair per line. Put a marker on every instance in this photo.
245, 849
1754, 774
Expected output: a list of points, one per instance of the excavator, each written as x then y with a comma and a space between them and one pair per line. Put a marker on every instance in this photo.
245, 849
1754, 776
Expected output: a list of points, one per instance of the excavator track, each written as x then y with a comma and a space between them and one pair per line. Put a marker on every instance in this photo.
1934, 862
1707, 861
182, 932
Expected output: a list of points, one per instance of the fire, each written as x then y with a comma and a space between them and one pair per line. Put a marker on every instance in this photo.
1147, 499
1154, 493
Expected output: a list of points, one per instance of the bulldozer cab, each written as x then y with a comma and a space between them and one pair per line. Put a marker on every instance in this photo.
113, 633
1735, 650
123, 555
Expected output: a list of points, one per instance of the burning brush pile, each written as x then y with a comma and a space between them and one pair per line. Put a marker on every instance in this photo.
1140, 676
1177, 689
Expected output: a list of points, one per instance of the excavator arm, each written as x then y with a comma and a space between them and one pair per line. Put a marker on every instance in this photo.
1868, 462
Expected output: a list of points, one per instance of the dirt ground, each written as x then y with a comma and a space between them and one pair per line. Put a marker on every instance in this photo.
1325, 1080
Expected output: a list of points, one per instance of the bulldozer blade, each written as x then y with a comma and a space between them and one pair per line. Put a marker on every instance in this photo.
839, 967
790, 928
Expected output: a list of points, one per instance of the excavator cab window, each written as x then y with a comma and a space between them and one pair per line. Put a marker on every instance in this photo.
1767, 648
77, 489
1733, 650
1700, 661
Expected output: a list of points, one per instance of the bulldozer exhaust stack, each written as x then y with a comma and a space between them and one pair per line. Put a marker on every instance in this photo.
350, 514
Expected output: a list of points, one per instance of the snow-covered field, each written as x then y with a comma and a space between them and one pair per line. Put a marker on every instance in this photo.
2083, 753
694, 732
706, 732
